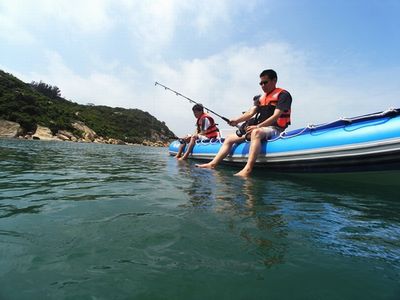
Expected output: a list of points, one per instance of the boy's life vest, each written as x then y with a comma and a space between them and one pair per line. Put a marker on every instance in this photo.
267, 107
212, 131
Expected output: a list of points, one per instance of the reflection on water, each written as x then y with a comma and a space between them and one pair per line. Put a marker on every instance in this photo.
264, 210
10, 210
270, 239
200, 186
252, 216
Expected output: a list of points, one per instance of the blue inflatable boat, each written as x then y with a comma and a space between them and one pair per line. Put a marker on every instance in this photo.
365, 143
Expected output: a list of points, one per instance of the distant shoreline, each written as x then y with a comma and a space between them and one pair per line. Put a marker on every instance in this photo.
9, 129
159, 144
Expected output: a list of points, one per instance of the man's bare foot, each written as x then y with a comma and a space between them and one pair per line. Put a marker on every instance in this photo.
182, 158
206, 166
243, 173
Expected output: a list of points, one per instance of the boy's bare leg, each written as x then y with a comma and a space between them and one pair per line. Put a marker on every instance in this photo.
189, 149
180, 150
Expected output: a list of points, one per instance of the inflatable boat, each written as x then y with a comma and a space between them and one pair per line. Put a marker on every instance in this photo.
364, 143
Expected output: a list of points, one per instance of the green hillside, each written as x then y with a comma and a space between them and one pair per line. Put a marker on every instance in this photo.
32, 104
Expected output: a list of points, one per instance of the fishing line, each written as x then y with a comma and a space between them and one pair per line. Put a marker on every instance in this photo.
192, 101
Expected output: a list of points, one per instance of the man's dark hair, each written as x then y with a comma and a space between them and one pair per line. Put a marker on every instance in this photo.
270, 73
198, 107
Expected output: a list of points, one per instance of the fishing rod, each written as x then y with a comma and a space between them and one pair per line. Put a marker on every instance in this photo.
192, 101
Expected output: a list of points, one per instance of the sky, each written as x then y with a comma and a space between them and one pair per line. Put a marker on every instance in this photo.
336, 58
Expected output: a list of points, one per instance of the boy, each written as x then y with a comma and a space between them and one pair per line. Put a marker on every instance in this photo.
206, 129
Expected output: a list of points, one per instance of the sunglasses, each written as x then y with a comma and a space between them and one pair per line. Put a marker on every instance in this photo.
263, 82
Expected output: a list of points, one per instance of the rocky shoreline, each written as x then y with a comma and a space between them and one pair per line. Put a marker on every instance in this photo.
10, 129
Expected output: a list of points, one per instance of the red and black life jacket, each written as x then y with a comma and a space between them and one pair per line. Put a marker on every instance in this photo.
212, 131
267, 107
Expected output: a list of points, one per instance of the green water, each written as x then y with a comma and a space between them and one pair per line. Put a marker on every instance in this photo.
86, 221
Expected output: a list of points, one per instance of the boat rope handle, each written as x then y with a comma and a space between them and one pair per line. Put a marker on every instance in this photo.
282, 135
380, 114
205, 141
215, 141
209, 141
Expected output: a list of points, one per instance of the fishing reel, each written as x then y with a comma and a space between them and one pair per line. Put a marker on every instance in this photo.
242, 128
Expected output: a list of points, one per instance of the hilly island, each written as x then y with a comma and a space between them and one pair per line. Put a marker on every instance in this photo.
36, 110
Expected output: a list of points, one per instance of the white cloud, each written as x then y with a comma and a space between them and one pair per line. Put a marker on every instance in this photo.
88, 16
98, 87
152, 24
155, 24
24, 20
208, 13
10, 27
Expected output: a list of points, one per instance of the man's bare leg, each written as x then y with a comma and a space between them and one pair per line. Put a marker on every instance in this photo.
255, 146
223, 151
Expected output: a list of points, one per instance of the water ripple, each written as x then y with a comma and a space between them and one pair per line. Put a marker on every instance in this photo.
81, 220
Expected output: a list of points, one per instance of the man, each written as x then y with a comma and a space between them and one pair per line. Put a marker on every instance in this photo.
272, 117
206, 129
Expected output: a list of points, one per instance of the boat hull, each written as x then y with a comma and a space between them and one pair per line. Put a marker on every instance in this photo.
365, 143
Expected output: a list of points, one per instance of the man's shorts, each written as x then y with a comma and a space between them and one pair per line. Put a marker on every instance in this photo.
271, 131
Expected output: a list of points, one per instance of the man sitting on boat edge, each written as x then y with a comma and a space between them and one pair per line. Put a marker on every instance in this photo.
206, 129
272, 117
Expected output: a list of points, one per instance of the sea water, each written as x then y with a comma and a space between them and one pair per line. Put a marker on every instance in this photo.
91, 221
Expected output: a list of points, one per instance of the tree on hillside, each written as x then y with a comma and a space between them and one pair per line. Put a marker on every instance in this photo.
46, 89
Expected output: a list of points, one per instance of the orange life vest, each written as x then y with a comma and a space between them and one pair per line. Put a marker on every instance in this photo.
267, 107
212, 131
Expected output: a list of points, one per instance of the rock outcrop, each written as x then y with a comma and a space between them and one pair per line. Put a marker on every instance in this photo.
155, 144
88, 135
65, 135
44, 134
10, 129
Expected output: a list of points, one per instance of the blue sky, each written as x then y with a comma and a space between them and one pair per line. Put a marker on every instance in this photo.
337, 58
